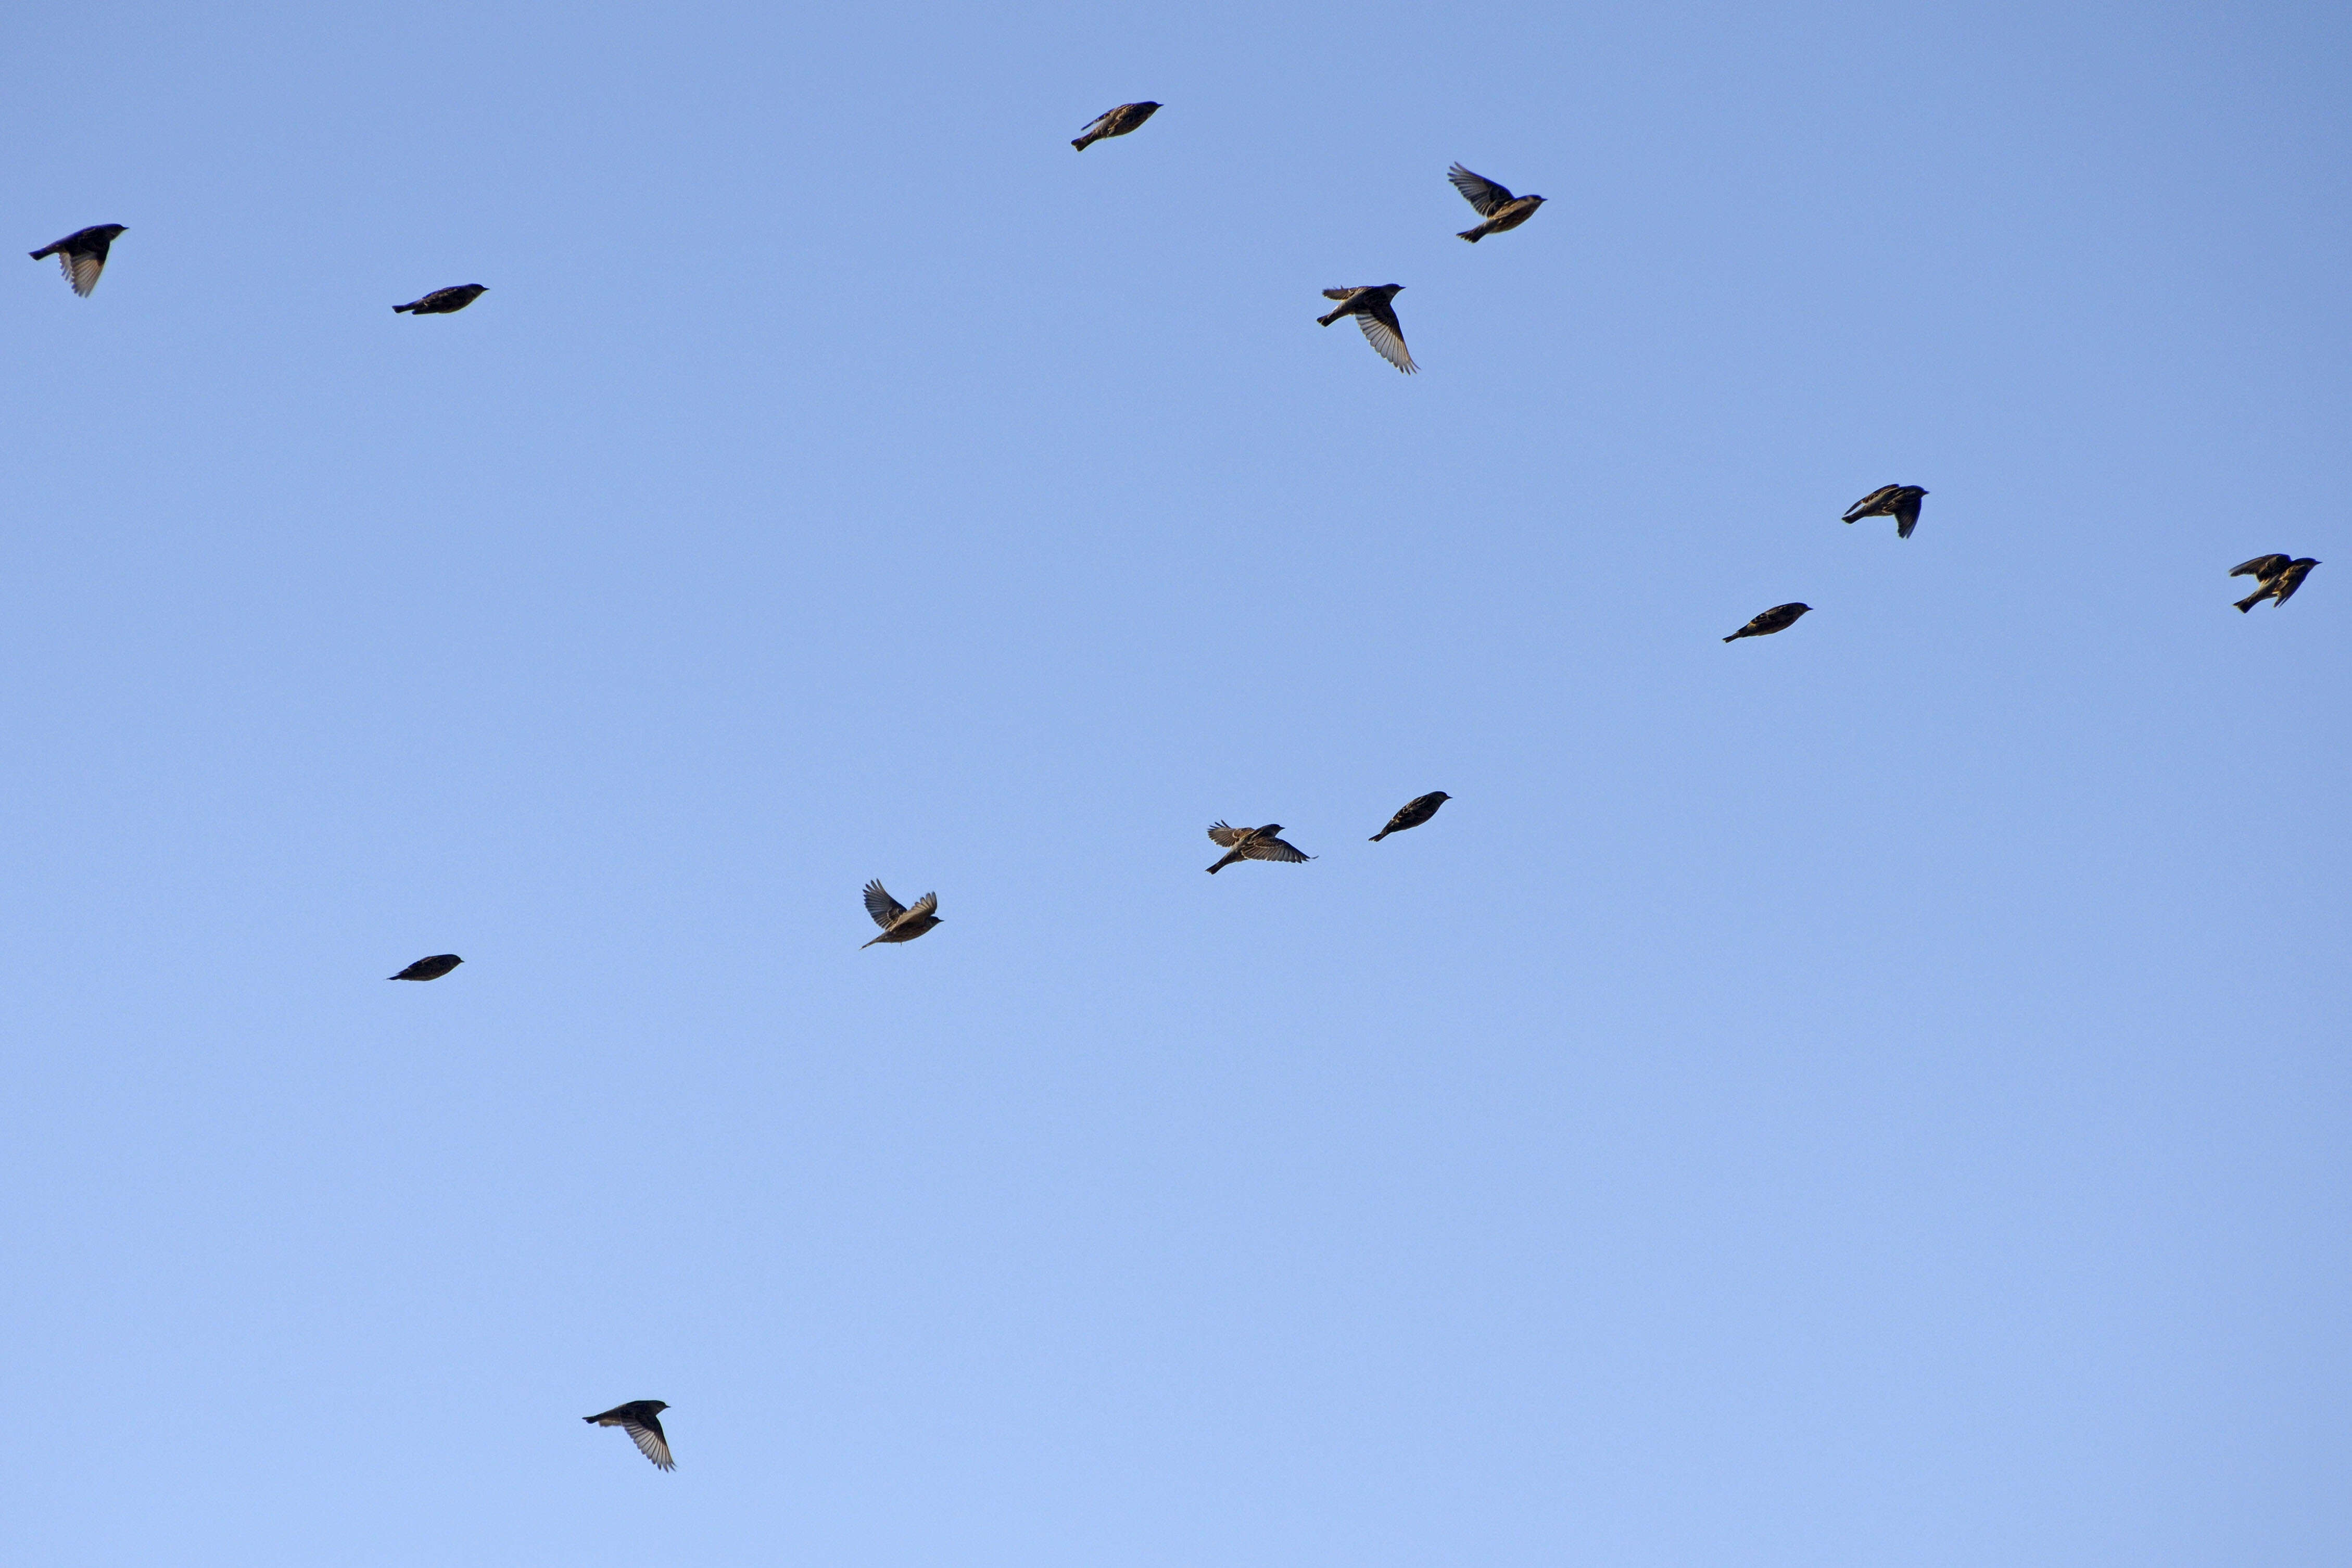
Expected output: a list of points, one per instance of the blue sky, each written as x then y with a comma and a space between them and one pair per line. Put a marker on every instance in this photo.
1863, 1096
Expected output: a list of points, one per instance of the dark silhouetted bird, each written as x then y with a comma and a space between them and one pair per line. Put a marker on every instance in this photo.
1373, 313
83, 255
2279, 576
1900, 502
1779, 619
1413, 813
641, 1419
1118, 122
1253, 844
899, 923
443, 301
432, 968
1501, 209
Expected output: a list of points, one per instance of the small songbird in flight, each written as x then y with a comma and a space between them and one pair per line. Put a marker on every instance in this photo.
641, 1419
443, 301
1501, 209
1370, 306
1253, 844
432, 968
1118, 122
899, 923
1779, 619
2278, 575
1900, 502
1413, 813
83, 255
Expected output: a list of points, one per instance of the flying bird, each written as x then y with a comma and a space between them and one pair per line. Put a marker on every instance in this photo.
1253, 844
432, 968
2278, 575
1413, 813
1779, 619
1126, 117
1373, 313
641, 1419
1900, 502
899, 923
1501, 209
83, 255
443, 301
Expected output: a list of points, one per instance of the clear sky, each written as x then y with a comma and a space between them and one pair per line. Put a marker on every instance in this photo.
1864, 1096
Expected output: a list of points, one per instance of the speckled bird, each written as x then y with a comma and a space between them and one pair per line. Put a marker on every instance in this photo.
1501, 209
1118, 122
443, 301
899, 923
2279, 576
1253, 844
82, 254
432, 968
1370, 304
1900, 502
1413, 813
641, 1419
1779, 619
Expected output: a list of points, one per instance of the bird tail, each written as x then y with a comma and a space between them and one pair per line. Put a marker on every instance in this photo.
1473, 234
1383, 832
1738, 634
2251, 600
50, 251
864, 945
1327, 320
398, 310
1082, 142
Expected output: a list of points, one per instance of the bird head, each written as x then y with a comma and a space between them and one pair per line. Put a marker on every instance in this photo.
2306, 563
1799, 609
1538, 200
1147, 106
1269, 830
657, 1405
110, 231
1439, 795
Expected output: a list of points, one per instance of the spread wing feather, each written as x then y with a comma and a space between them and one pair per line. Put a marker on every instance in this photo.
884, 909
1478, 191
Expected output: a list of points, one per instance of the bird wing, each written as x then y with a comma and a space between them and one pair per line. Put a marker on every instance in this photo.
82, 269
1341, 293
1094, 127
1381, 331
648, 1435
1868, 505
2261, 568
928, 904
1907, 515
884, 909
1478, 191
1225, 837
1273, 849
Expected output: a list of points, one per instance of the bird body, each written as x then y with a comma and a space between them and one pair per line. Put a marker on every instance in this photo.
2279, 576
1370, 305
1253, 844
83, 255
1900, 502
899, 923
1779, 619
1413, 813
432, 968
641, 1419
1501, 209
443, 301
1126, 117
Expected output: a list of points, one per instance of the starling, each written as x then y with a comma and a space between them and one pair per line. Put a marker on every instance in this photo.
1253, 844
1501, 209
432, 968
1126, 117
899, 923
1900, 502
1413, 813
443, 301
641, 1419
83, 255
1369, 305
2278, 575
1779, 619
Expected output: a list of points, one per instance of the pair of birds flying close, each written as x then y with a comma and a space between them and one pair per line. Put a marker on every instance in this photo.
641, 1419
1900, 502
1266, 843
2277, 575
1374, 304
